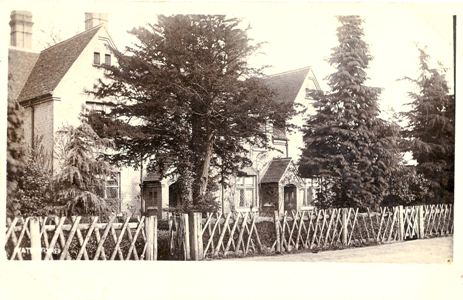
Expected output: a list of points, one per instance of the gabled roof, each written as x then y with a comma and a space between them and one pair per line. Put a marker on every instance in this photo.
276, 170
53, 63
20, 64
287, 85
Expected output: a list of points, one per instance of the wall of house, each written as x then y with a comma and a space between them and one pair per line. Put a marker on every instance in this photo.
27, 125
43, 127
295, 139
72, 94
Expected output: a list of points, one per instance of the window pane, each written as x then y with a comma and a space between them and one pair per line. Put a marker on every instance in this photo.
239, 180
96, 58
249, 197
112, 192
107, 59
242, 198
249, 180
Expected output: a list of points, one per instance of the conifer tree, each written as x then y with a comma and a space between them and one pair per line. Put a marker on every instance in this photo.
15, 156
192, 101
346, 143
83, 171
431, 130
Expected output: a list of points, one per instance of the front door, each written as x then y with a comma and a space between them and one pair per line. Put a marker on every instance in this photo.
290, 197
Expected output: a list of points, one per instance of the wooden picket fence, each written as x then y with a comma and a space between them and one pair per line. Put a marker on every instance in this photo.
438, 220
231, 233
62, 238
347, 227
196, 236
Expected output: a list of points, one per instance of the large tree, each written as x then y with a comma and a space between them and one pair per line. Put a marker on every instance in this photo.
186, 100
346, 143
431, 130
15, 156
81, 178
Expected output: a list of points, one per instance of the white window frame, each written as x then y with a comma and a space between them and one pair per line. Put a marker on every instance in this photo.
242, 186
117, 178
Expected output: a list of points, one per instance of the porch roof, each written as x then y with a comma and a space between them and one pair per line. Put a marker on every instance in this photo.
276, 170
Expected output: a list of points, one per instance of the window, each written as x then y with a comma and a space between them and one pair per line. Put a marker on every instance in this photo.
96, 58
245, 195
107, 59
308, 196
112, 187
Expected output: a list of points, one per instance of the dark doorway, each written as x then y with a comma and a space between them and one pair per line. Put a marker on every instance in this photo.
290, 200
174, 196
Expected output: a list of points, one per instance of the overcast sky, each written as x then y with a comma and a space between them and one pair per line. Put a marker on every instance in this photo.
297, 35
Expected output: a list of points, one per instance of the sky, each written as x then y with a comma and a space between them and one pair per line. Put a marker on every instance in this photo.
296, 35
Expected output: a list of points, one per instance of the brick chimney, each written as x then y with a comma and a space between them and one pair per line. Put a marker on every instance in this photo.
95, 19
21, 29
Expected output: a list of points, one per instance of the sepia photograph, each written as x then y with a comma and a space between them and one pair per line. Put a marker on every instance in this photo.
150, 132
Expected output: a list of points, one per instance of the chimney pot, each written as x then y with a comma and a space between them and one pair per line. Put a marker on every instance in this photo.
95, 19
21, 29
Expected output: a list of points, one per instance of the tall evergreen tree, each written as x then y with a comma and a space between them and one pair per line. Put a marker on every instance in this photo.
431, 130
15, 156
346, 143
192, 102
83, 172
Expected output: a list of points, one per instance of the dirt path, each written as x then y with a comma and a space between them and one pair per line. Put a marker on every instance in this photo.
437, 250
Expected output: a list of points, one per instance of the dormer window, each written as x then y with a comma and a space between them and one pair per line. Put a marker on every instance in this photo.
107, 59
96, 58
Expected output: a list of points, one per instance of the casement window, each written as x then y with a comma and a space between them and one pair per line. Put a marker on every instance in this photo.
308, 196
245, 194
112, 187
107, 59
96, 58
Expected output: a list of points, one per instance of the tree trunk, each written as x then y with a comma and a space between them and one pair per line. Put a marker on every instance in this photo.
203, 167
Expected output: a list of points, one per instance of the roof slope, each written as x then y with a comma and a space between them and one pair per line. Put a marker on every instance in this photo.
276, 170
53, 63
287, 85
20, 64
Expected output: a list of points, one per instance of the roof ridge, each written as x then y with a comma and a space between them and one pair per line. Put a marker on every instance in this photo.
73, 37
289, 71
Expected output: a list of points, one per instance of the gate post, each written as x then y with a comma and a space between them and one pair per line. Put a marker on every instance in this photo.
151, 228
196, 236
276, 219
186, 236
401, 223
36, 246
421, 222
344, 213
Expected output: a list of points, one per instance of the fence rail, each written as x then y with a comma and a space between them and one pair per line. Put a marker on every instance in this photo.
195, 236
55, 238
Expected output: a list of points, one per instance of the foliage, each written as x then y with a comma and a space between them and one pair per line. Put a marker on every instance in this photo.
345, 141
431, 130
15, 156
186, 101
35, 188
83, 171
406, 187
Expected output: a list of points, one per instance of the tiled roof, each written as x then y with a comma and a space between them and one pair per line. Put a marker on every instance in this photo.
20, 64
53, 63
276, 170
286, 85
152, 176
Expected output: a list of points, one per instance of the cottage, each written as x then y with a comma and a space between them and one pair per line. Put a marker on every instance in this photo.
51, 86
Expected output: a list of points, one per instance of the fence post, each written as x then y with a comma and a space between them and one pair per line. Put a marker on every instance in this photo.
186, 236
36, 246
420, 221
277, 232
151, 223
401, 223
196, 236
344, 213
